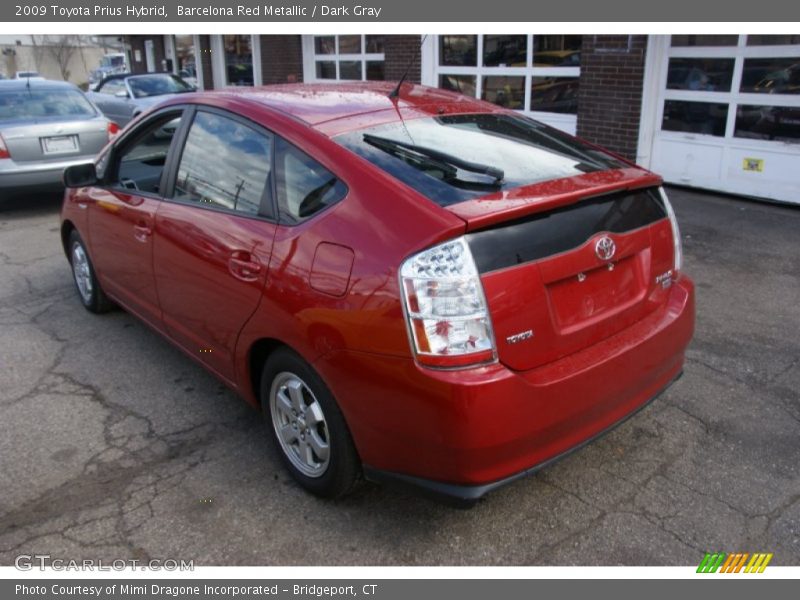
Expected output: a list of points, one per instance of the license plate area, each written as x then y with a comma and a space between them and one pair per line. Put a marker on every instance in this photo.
60, 144
597, 294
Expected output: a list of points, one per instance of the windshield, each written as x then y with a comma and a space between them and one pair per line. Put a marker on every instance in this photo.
454, 154
158, 85
29, 104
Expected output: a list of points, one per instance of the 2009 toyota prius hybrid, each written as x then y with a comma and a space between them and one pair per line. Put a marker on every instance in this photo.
415, 287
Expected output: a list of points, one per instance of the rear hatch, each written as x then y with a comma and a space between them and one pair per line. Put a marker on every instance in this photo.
563, 277
44, 140
569, 239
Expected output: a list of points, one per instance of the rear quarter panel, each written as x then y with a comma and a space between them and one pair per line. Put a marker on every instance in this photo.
381, 220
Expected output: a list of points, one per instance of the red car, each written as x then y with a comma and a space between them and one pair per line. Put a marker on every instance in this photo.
416, 287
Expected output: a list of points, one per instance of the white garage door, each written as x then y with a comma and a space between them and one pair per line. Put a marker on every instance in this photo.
727, 113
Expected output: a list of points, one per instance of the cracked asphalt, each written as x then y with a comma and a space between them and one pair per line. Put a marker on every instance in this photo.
113, 445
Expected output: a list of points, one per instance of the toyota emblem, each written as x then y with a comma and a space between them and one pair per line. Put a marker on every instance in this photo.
605, 248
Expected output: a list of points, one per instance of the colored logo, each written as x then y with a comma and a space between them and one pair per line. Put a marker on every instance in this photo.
734, 563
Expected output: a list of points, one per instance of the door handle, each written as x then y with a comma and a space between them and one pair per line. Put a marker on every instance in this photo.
142, 231
242, 266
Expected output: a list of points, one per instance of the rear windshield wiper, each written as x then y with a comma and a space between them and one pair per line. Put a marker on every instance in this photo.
439, 159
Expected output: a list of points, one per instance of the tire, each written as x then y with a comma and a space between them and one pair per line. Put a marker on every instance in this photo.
307, 428
90, 293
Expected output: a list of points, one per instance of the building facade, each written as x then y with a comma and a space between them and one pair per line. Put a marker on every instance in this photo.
719, 112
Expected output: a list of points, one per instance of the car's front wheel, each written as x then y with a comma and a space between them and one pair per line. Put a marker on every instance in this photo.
89, 291
307, 426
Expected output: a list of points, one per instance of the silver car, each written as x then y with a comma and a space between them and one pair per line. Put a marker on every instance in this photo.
46, 126
123, 97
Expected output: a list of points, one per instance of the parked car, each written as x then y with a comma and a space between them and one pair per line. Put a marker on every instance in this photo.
46, 126
123, 96
189, 75
423, 288
112, 63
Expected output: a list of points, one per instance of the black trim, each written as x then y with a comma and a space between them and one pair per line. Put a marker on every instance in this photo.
465, 496
176, 151
552, 232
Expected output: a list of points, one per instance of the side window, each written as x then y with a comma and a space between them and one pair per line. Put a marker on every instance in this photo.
224, 164
141, 162
304, 186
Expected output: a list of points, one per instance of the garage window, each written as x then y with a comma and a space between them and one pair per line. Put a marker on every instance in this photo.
344, 57
717, 85
535, 74
238, 51
772, 123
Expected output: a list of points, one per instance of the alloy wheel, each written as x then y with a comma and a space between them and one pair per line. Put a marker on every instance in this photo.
82, 272
299, 424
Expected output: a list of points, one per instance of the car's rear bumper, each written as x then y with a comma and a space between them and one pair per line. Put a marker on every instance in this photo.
465, 432
45, 175
466, 495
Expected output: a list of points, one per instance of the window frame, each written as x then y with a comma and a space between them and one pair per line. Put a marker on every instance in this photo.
280, 176
270, 207
130, 138
311, 58
733, 98
564, 121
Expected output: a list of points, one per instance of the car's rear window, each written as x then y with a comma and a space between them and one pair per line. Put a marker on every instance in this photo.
454, 158
34, 104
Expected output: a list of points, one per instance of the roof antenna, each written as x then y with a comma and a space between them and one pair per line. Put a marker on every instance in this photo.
395, 93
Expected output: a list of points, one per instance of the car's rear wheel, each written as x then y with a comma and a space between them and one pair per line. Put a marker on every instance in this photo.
307, 427
89, 291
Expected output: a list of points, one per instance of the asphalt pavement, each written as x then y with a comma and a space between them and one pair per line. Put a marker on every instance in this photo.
114, 445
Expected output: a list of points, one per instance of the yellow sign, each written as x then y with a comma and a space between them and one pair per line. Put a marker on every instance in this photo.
753, 164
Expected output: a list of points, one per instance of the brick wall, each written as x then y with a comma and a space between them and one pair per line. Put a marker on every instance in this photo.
281, 58
399, 51
137, 43
610, 96
158, 51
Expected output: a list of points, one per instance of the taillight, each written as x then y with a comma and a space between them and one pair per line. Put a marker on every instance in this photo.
113, 130
676, 232
446, 308
4, 153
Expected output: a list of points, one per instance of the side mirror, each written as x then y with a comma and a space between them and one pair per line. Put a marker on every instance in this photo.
80, 175
121, 94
